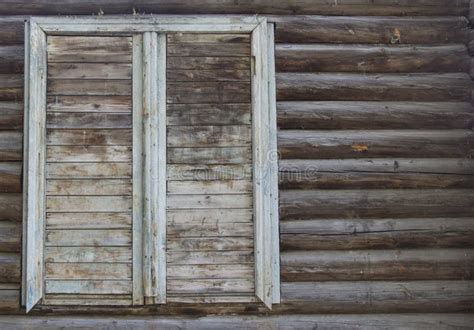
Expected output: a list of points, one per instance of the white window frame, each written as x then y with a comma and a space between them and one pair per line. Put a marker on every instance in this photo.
149, 195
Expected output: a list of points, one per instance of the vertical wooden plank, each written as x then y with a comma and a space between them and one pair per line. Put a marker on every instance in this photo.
36, 165
137, 170
260, 117
161, 202
154, 130
25, 158
272, 159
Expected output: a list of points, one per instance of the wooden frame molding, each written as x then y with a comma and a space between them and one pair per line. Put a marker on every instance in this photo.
149, 145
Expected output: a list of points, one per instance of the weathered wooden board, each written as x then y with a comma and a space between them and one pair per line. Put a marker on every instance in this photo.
454, 264
10, 206
374, 115
209, 229
89, 120
209, 136
109, 170
211, 286
210, 258
193, 244
73, 154
10, 177
208, 63
306, 144
208, 114
96, 137
89, 70
11, 58
11, 87
314, 204
88, 287
88, 204
10, 236
218, 38
224, 201
208, 92
10, 272
116, 254
88, 220
92, 187
209, 217
94, 237
210, 271
88, 271
209, 172
89, 49
372, 87
84, 103
371, 59
209, 187
374, 30
353, 234
212, 156
11, 146
208, 49
66, 87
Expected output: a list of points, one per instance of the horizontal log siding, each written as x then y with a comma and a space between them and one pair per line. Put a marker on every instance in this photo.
347, 72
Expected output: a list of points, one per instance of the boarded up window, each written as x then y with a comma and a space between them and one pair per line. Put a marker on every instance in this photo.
149, 167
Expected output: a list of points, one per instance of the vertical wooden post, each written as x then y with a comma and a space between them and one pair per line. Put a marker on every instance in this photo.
260, 122
36, 138
138, 295
154, 131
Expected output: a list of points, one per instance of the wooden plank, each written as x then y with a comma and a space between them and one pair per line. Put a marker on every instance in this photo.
177, 75
11, 58
374, 115
347, 234
208, 92
208, 114
210, 271
81, 187
208, 62
453, 264
211, 49
10, 236
88, 170
74, 154
209, 187
224, 201
463, 166
87, 271
84, 103
10, 206
88, 220
314, 204
95, 237
81, 254
371, 30
88, 204
12, 30
211, 286
10, 271
208, 172
10, 300
341, 321
65, 87
88, 120
210, 229
35, 170
87, 137
89, 49
211, 217
210, 258
371, 87
10, 146
88, 287
308, 7
380, 296
377, 143
209, 136
211, 156
10, 177
89, 71
11, 116
11, 87
137, 163
221, 38
371, 59
210, 244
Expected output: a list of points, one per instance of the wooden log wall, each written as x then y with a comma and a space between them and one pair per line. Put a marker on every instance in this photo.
376, 176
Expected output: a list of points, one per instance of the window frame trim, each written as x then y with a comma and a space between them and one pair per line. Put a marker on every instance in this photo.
265, 156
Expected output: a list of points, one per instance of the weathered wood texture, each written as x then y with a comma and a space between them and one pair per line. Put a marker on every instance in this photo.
336, 74
93, 212
209, 122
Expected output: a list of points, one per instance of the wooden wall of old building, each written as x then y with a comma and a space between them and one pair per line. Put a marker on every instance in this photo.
375, 118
